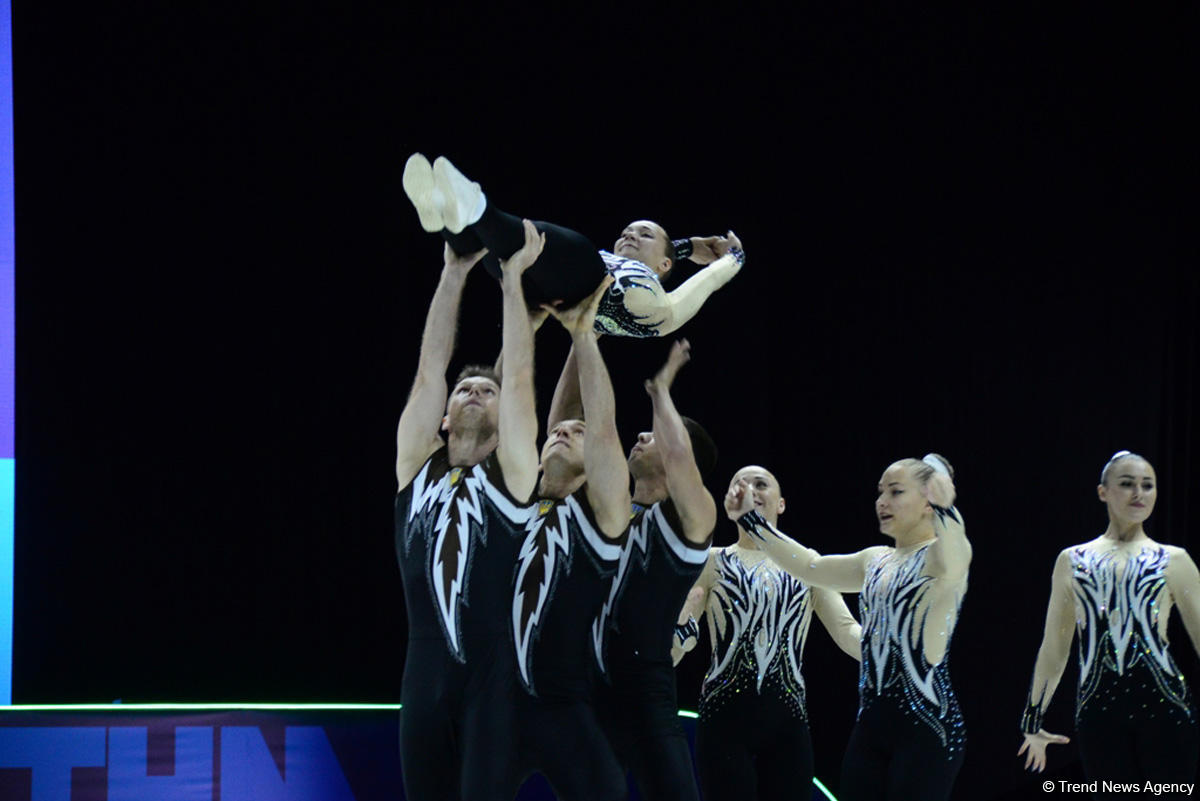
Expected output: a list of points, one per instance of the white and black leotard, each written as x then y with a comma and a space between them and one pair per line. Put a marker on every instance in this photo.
456, 544
637, 304
570, 268
753, 728
758, 620
563, 571
657, 568
1133, 709
1119, 624
909, 739
631, 638
893, 611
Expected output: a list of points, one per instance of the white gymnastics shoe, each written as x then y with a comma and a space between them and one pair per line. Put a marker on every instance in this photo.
423, 192
463, 201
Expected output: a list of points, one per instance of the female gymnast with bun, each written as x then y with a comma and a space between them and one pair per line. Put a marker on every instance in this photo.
1133, 711
909, 739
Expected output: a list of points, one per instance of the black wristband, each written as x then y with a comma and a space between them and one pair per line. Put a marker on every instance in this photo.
1031, 721
682, 248
686, 631
754, 523
739, 256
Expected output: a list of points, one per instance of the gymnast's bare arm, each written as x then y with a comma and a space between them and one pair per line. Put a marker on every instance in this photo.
604, 461
842, 573
687, 625
695, 505
1051, 662
518, 428
417, 433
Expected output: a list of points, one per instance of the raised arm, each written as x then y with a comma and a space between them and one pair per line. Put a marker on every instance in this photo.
830, 608
536, 318
1051, 662
417, 433
950, 556
566, 404
1183, 581
842, 573
695, 505
517, 448
688, 297
603, 459
687, 625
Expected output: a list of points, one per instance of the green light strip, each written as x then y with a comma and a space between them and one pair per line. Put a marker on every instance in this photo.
823, 789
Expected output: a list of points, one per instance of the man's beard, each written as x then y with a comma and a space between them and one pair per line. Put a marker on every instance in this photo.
643, 467
472, 422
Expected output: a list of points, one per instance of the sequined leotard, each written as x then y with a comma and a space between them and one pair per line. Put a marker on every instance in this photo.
1118, 619
1133, 709
894, 666
758, 617
570, 268
909, 739
753, 720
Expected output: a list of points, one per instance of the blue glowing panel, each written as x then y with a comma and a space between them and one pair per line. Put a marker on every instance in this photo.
7, 301
7, 468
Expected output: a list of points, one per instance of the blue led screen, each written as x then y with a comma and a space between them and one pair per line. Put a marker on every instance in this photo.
7, 301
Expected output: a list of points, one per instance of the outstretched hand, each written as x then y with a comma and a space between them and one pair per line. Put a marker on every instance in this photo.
707, 249
681, 354
939, 490
739, 500
1034, 748
581, 318
461, 264
520, 261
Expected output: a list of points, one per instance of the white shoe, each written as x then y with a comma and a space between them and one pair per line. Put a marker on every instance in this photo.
424, 194
463, 201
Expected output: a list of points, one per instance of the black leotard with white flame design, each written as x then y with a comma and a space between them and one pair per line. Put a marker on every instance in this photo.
564, 569
658, 566
456, 542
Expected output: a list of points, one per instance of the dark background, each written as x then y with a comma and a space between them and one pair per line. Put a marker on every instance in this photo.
965, 234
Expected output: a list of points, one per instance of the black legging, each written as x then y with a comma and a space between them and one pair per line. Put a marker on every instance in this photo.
450, 714
892, 755
563, 742
569, 269
640, 715
752, 746
1128, 733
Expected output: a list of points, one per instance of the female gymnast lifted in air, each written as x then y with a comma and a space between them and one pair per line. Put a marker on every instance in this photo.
570, 268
